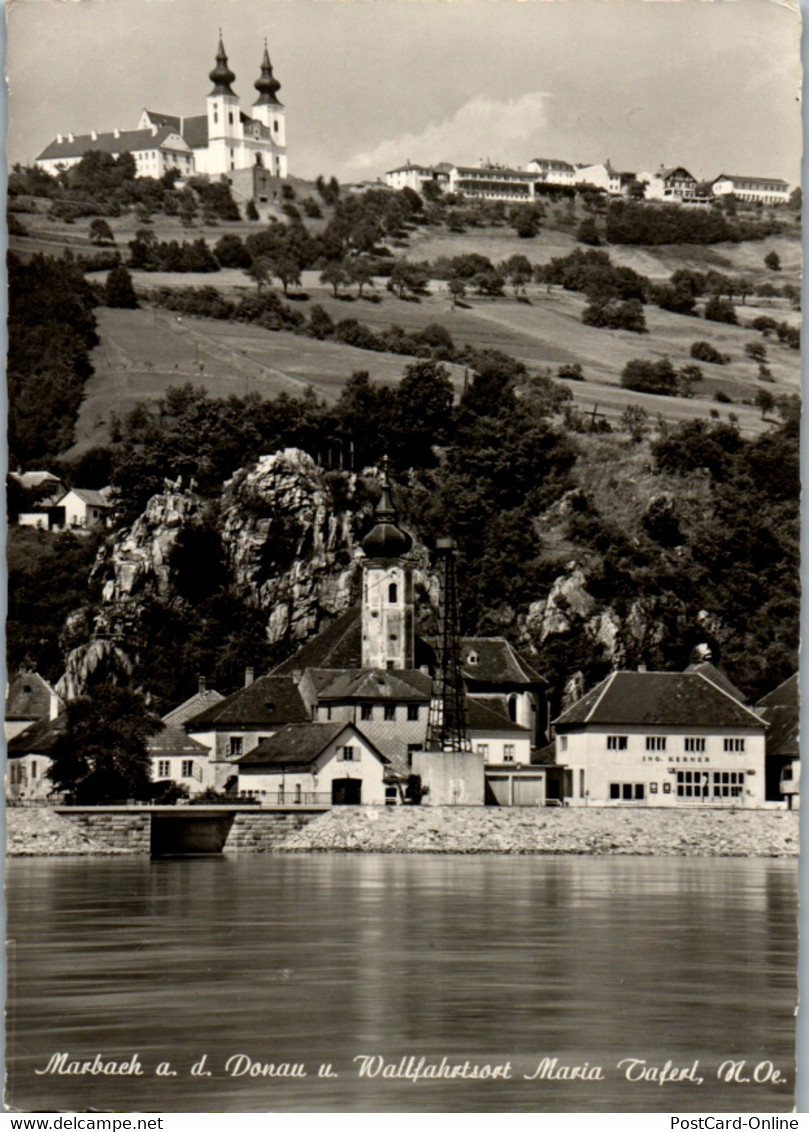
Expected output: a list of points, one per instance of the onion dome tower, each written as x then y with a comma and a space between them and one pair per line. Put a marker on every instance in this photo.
224, 118
269, 111
388, 619
222, 76
266, 84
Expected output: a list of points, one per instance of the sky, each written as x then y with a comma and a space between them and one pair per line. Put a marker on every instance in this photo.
368, 84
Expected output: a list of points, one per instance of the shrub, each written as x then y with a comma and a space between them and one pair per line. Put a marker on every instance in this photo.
572, 371
616, 316
773, 261
705, 352
650, 377
718, 309
722, 397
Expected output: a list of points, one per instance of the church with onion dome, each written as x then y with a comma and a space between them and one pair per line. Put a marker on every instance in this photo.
225, 141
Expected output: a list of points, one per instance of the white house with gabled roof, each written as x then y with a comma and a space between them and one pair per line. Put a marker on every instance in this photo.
661, 739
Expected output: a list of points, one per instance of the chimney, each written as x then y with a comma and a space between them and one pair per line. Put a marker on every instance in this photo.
297, 675
116, 133
93, 135
201, 685
249, 676
59, 139
70, 137
154, 130
54, 703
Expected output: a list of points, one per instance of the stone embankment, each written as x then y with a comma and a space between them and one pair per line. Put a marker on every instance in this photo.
36, 831
600, 832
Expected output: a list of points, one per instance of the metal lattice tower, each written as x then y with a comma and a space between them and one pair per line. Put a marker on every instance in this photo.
447, 729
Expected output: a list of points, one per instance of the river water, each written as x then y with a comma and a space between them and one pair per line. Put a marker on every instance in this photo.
492, 963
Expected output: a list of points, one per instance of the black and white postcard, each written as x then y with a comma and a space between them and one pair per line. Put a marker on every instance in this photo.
402, 699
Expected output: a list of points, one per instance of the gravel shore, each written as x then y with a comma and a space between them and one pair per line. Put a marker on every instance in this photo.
602, 832
36, 831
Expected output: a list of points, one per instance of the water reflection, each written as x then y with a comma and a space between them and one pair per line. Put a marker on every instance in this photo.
318, 959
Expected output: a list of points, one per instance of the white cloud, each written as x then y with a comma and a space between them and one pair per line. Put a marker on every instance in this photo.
507, 131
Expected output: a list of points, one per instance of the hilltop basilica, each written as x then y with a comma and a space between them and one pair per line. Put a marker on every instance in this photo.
225, 141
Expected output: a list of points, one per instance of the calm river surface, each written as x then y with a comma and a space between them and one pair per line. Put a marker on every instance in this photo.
490, 961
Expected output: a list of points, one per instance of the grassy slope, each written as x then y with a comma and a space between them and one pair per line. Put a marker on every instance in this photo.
142, 353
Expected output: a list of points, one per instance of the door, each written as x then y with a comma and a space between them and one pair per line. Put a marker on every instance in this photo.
346, 792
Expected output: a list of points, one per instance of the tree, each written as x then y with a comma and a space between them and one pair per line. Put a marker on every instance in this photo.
361, 272
705, 352
756, 351
650, 377
422, 414
524, 219
588, 232
688, 377
718, 309
773, 261
635, 420
259, 271
101, 755
431, 191
118, 290
287, 269
765, 401
457, 288
250, 210
335, 275
100, 232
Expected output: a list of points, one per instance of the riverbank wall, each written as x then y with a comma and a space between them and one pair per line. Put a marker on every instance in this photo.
39, 831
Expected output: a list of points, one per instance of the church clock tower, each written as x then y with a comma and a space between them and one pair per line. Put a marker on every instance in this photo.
388, 619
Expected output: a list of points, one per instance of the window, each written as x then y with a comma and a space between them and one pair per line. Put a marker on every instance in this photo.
297, 792
33, 768
390, 711
230, 117
581, 782
236, 746
734, 744
563, 742
627, 791
655, 742
393, 593
695, 745
215, 115
692, 784
389, 665
275, 126
348, 755
508, 752
328, 713
482, 749
366, 711
728, 783
412, 712
163, 768
616, 742
188, 768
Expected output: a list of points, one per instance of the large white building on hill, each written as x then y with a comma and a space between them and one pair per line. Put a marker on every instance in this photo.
222, 141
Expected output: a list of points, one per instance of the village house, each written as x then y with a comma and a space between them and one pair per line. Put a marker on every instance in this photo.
316, 763
552, 171
601, 175
661, 739
674, 185
754, 190
409, 176
28, 757
29, 698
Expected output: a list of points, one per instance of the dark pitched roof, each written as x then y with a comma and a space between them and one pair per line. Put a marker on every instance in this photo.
270, 701
482, 716
498, 662
787, 694
195, 130
194, 705
172, 740
659, 699
398, 685
89, 496
338, 645
716, 676
300, 744
29, 697
781, 710
127, 141
38, 739
751, 180
173, 120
